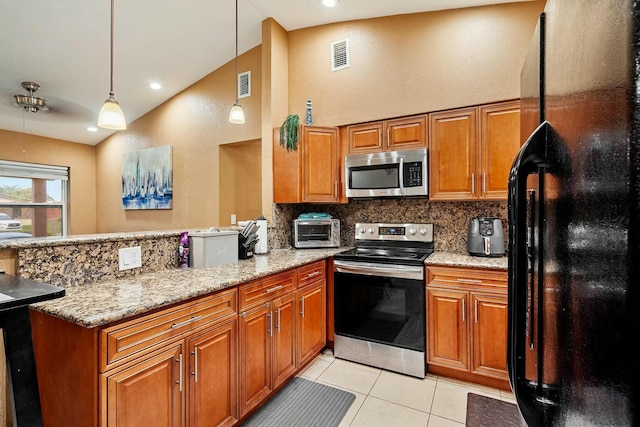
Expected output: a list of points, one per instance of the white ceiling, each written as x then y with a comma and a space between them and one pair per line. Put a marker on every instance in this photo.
63, 45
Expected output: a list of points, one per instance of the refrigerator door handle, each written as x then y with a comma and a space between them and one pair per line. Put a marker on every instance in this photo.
529, 161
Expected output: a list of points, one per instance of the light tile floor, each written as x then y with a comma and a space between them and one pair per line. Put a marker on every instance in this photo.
388, 399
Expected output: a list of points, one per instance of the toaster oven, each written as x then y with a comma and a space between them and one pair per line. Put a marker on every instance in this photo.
316, 233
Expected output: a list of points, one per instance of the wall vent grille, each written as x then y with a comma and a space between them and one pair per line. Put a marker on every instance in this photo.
340, 55
244, 84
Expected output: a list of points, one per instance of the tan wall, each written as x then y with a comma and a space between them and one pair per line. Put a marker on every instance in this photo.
410, 64
275, 103
81, 160
240, 178
194, 123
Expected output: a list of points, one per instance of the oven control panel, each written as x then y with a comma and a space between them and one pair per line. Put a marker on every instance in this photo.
385, 231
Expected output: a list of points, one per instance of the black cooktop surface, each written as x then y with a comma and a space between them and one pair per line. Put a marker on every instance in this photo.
387, 254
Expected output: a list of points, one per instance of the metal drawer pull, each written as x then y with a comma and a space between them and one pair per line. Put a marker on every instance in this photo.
186, 322
179, 382
270, 316
475, 311
195, 364
275, 288
310, 275
472, 281
463, 311
302, 306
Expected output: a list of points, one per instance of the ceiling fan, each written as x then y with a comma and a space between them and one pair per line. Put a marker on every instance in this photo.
30, 102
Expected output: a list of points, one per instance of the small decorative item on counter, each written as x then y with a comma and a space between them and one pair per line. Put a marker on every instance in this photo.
289, 132
309, 120
183, 249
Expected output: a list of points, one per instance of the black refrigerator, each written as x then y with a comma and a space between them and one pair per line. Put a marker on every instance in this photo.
574, 219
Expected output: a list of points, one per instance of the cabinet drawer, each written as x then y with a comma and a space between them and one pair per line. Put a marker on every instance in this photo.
266, 289
125, 339
468, 278
311, 273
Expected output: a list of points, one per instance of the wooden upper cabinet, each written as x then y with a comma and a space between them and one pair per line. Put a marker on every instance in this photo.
406, 133
388, 135
471, 151
312, 173
500, 142
452, 150
320, 165
365, 138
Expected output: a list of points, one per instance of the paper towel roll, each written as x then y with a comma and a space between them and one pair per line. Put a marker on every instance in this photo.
262, 246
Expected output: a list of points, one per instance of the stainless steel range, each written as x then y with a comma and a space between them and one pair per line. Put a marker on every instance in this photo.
379, 306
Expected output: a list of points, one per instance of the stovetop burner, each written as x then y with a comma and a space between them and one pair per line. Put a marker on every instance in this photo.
405, 244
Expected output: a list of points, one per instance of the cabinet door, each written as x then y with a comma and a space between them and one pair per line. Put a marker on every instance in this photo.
255, 357
447, 328
499, 144
406, 133
452, 148
365, 138
312, 322
213, 376
149, 393
287, 176
320, 168
489, 332
283, 335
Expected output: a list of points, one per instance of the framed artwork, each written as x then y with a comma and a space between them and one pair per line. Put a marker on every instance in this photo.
147, 179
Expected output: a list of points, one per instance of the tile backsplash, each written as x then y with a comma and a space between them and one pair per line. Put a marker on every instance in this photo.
450, 219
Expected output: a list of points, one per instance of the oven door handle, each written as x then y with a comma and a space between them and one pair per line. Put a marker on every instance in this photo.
385, 270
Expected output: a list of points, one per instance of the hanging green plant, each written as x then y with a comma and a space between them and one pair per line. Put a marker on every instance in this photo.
289, 132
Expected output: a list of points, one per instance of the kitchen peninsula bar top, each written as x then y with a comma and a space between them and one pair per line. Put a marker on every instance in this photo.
96, 304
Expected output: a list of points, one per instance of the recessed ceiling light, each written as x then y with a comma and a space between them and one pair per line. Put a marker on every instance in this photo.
92, 129
330, 3
155, 86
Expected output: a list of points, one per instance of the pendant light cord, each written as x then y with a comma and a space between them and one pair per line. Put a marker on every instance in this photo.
111, 58
236, 51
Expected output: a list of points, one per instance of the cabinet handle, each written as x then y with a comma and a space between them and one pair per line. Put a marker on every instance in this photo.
179, 382
270, 315
484, 183
275, 288
475, 311
195, 364
278, 319
335, 184
473, 183
302, 306
388, 136
186, 322
380, 139
310, 275
463, 311
470, 281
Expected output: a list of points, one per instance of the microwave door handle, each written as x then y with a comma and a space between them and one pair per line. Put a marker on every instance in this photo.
401, 173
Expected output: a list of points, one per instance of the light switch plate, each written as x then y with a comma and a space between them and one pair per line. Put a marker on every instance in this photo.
129, 258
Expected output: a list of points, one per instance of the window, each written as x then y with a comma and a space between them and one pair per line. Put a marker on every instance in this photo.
33, 200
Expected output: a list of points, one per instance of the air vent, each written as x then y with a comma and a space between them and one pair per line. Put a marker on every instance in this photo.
339, 55
244, 84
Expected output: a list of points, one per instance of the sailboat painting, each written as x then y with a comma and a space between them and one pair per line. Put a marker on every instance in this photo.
147, 179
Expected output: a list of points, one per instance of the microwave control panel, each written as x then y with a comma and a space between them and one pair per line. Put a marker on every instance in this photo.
413, 174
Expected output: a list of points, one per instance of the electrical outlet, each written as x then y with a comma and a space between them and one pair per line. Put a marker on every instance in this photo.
233, 219
129, 258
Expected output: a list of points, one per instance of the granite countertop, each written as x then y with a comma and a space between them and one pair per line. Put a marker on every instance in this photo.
100, 303
35, 242
463, 260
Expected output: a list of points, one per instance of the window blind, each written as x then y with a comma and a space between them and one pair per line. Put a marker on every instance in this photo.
32, 170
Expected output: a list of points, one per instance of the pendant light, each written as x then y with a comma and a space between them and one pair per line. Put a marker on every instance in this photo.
236, 115
111, 115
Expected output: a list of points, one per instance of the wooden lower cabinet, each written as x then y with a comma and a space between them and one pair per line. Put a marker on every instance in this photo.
212, 372
149, 393
312, 320
193, 364
467, 323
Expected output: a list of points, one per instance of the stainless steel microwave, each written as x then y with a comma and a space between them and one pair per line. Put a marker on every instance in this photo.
316, 233
388, 174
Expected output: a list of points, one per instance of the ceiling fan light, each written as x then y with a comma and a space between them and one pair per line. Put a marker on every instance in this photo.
236, 115
111, 115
